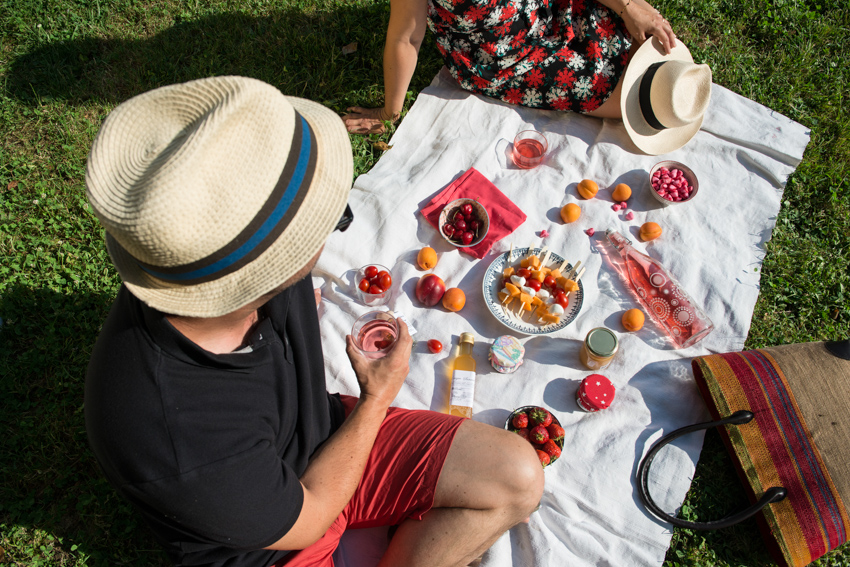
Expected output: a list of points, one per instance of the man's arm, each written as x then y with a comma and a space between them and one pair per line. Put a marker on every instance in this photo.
335, 470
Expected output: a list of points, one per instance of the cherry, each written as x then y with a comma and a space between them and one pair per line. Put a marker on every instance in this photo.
533, 284
364, 285
371, 272
474, 224
375, 289
385, 279
468, 237
466, 209
549, 281
435, 346
524, 272
460, 225
458, 216
448, 229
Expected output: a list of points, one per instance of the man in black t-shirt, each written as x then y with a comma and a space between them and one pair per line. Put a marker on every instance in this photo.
206, 403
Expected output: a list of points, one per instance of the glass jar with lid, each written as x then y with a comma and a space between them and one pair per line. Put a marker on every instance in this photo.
599, 347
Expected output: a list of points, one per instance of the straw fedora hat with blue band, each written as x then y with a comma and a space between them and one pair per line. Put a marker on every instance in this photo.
664, 97
215, 192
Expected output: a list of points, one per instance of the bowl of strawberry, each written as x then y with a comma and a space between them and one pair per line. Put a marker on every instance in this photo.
541, 428
464, 222
374, 283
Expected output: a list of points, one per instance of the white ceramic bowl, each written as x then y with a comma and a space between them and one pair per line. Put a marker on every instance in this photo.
479, 212
689, 175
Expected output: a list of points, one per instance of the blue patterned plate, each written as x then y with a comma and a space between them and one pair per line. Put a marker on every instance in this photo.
492, 285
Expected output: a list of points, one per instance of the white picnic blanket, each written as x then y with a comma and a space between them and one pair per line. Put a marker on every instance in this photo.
714, 246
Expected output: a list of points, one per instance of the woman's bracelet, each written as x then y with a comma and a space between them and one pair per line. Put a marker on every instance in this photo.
624, 7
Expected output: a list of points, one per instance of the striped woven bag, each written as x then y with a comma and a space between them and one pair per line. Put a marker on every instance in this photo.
784, 417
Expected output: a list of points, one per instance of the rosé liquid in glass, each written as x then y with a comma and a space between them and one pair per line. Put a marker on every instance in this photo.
375, 334
668, 305
528, 150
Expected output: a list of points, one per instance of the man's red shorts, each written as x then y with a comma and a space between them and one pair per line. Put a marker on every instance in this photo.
399, 482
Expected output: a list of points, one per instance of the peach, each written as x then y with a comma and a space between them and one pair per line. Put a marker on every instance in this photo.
650, 231
570, 212
587, 188
633, 320
621, 192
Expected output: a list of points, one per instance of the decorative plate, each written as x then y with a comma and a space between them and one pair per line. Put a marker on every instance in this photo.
491, 286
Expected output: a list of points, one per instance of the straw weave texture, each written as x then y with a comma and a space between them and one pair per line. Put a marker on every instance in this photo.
778, 448
176, 173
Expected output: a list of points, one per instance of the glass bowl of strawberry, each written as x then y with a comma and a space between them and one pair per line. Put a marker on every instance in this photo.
541, 428
671, 183
374, 284
464, 222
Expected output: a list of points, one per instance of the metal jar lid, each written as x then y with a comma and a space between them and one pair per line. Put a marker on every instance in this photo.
602, 342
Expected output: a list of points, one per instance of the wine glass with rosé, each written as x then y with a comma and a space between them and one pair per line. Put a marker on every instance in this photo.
529, 148
375, 333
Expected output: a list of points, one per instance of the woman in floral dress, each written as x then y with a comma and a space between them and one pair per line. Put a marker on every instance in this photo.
548, 54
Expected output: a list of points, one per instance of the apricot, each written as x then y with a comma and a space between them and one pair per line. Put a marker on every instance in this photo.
570, 212
454, 299
427, 258
587, 188
650, 231
621, 193
633, 320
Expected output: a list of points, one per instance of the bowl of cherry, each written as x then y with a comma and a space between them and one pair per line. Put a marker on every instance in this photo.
374, 283
464, 222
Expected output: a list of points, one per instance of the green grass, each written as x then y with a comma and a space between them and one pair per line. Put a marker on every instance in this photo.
64, 64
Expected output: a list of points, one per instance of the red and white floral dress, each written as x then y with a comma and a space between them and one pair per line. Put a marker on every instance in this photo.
550, 54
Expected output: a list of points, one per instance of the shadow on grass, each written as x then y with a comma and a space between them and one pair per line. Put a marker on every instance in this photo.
300, 53
50, 479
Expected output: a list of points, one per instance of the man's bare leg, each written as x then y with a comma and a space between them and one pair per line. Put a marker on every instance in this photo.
491, 481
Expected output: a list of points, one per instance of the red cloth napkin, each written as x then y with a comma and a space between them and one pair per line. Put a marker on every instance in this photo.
505, 217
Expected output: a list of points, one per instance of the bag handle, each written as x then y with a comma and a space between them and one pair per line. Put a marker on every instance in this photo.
774, 494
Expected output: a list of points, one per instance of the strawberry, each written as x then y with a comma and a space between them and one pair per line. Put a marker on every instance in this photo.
539, 416
544, 457
522, 433
556, 432
551, 448
520, 420
538, 435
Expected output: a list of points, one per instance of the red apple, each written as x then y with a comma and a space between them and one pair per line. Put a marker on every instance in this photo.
430, 289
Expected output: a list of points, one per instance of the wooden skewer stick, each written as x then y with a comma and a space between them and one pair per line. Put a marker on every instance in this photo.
545, 259
563, 265
573, 271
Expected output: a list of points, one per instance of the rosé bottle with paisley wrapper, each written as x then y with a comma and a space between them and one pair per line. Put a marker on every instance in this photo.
668, 305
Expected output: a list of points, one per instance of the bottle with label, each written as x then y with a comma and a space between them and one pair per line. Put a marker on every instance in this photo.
668, 305
463, 378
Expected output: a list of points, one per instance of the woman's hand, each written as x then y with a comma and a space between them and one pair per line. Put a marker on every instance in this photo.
642, 21
367, 120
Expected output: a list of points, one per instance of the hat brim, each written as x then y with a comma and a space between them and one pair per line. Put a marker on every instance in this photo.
305, 235
644, 136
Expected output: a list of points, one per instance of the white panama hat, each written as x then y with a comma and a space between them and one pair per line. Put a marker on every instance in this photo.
664, 97
215, 192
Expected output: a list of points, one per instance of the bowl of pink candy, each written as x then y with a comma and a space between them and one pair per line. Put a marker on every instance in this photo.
672, 182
